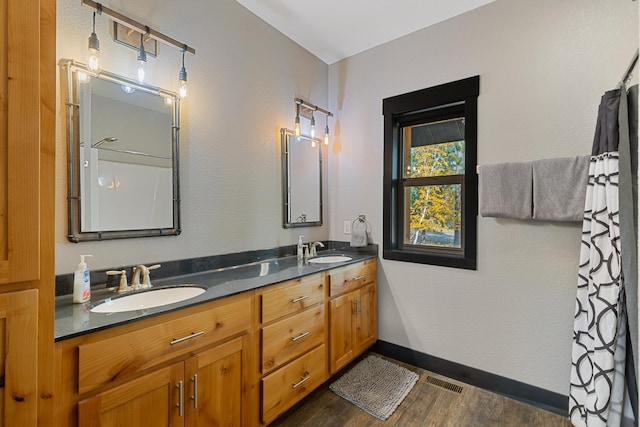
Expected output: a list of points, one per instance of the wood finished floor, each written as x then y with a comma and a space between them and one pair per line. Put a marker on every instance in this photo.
426, 405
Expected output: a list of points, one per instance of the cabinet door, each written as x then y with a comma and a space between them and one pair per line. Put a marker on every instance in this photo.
150, 400
19, 141
366, 318
214, 386
19, 334
342, 329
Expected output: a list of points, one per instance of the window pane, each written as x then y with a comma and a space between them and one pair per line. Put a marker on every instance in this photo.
432, 216
434, 149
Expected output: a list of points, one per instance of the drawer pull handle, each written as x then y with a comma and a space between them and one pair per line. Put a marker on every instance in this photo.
354, 279
300, 299
188, 337
194, 379
180, 397
303, 380
299, 337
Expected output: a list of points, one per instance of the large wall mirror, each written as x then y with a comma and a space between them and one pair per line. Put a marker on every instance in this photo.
301, 179
123, 161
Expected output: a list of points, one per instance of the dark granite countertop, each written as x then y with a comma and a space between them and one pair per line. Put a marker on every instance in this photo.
73, 320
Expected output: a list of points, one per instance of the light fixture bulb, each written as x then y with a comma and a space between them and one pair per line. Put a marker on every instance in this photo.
94, 47
312, 131
182, 76
297, 126
313, 143
183, 91
326, 130
141, 71
142, 60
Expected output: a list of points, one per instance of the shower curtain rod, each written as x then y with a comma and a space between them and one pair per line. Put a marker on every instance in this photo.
627, 73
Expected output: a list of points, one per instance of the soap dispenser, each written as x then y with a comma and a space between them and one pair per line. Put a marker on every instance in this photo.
300, 248
82, 282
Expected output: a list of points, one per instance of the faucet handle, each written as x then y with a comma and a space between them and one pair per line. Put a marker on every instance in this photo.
146, 279
123, 285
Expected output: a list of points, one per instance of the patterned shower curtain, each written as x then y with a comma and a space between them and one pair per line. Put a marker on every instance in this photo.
599, 342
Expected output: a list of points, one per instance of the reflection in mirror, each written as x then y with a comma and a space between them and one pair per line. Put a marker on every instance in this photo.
301, 179
123, 157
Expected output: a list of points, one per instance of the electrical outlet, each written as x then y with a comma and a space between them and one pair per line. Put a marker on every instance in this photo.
347, 227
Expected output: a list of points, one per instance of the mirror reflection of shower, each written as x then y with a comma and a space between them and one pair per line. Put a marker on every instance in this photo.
106, 140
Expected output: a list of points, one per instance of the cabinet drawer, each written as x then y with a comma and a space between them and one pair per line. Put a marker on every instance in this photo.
107, 360
290, 337
352, 277
292, 297
286, 386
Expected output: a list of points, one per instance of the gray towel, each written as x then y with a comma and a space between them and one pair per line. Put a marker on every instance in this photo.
505, 190
559, 188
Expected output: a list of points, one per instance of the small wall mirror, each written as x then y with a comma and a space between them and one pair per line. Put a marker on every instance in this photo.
302, 180
123, 143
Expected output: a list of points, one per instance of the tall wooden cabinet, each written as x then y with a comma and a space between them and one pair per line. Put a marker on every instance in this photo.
27, 174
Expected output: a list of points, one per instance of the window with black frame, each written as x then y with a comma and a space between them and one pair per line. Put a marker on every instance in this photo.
430, 181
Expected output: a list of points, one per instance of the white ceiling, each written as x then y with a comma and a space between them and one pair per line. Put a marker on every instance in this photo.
336, 29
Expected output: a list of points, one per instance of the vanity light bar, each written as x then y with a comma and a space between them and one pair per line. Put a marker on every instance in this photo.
131, 23
312, 107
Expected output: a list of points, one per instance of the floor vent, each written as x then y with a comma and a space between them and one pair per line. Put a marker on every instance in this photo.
444, 384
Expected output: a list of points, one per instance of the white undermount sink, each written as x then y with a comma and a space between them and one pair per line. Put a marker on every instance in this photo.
148, 299
330, 259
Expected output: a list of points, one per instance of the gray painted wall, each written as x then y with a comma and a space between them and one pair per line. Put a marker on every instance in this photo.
543, 67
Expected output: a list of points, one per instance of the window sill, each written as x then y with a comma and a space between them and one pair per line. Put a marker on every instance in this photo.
419, 257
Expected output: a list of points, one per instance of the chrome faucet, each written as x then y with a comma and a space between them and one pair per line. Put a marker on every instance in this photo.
122, 286
313, 248
146, 279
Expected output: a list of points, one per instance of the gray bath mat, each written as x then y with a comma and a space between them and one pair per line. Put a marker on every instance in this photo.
376, 386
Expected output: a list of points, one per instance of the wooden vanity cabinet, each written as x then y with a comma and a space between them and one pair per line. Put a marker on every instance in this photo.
352, 312
204, 390
180, 369
242, 360
293, 342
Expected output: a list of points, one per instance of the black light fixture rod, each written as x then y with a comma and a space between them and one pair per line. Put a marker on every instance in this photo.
131, 23
312, 107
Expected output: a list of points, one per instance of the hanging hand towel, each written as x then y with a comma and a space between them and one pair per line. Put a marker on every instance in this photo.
360, 232
505, 190
559, 188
